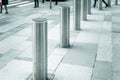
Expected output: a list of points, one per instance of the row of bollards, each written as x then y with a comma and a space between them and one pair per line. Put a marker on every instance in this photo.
40, 42
40, 54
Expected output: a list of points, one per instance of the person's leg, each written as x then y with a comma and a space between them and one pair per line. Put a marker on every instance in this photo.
1, 9
94, 3
37, 2
6, 9
105, 3
56, 2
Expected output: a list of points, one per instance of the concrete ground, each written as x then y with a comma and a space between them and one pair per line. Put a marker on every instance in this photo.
94, 53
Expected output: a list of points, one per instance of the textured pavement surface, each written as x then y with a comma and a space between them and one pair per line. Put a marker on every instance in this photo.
94, 53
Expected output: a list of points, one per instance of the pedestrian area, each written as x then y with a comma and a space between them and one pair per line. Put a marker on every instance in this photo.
94, 53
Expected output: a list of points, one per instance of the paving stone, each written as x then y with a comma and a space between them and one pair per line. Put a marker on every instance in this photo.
97, 78
81, 54
9, 56
73, 72
107, 18
116, 75
5, 35
116, 38
102, 70
116, 28
104, 52
54, 61
16, 70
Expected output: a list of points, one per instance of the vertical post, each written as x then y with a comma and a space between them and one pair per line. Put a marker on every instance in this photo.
109, 3
84, 10
100, 4
64, 26
77, 14
39, 49
89, 6
50, 4
116, 2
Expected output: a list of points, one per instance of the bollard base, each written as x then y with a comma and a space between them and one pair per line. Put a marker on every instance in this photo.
50, 77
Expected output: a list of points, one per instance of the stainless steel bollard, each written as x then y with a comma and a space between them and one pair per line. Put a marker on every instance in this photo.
84, 10
89, 6
77, 14
116, 2
109, 3
50, 4
64, 26
40, 49
100, 4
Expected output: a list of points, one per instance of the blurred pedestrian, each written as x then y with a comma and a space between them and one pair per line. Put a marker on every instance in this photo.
36, 3
4, 3
56, 2
95, 1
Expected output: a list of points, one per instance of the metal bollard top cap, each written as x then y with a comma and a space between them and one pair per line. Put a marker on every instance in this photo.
65, 6
39, 20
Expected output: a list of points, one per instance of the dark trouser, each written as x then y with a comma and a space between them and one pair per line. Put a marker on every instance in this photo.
56, 2
5, 8
104, 2
95, 3
36, 3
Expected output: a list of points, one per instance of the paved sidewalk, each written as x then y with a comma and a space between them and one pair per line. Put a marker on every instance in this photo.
93, 55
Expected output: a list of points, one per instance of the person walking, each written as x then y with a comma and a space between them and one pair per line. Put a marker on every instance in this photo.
4, 3
36, 3
95, 1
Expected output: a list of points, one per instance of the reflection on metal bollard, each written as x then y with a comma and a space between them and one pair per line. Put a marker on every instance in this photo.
84, 10
40, 49
100, 4
89, 6
64, 26
77, 14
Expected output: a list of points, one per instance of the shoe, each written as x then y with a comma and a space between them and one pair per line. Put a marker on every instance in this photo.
6, 12
106, 6
94, 6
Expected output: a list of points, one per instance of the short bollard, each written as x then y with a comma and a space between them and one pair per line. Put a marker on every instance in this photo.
116, 2
64, 26
100, 4
77, 14
40, 49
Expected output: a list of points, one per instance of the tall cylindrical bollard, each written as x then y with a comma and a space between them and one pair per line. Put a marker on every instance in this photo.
84, 10
100, 4
89, 6
64, 26
40, 49
109, 3
116, 2
77, 14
